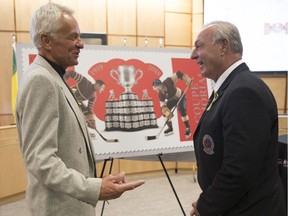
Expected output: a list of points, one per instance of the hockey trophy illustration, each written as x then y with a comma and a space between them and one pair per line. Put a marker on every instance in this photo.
129, 113
126, 76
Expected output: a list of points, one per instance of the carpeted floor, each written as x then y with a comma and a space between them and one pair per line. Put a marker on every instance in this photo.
154, 198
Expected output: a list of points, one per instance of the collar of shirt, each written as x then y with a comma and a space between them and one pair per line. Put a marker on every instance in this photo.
57, 68
61, 71
223, 77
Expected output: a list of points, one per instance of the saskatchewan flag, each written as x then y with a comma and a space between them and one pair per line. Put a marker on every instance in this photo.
14, 85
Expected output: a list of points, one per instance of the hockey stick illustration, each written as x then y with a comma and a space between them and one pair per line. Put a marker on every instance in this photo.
93, 127
159, 133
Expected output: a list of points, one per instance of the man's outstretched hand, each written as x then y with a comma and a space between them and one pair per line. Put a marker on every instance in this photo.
113, 186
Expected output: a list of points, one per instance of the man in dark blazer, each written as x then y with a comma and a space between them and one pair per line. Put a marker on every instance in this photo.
52, 131
236, 139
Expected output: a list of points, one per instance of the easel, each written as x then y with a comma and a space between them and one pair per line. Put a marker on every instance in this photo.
171, 184
101, 175
166, 173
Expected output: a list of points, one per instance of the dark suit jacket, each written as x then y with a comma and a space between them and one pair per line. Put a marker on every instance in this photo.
236, 150
56, 146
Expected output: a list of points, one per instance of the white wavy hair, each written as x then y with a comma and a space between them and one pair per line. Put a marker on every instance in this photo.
228, 31
47, 19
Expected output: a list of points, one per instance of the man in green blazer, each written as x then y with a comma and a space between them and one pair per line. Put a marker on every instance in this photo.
52, 131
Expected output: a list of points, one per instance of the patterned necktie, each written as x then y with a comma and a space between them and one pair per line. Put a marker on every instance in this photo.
215, 96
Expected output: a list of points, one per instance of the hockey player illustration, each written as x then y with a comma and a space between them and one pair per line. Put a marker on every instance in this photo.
169, 96
85, 91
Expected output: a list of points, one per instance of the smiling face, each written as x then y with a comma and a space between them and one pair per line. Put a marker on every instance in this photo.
209, 55
64, 47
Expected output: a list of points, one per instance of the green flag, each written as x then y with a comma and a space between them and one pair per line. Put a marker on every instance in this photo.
14, 82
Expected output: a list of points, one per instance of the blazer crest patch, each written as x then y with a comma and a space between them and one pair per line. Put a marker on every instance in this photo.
208, 144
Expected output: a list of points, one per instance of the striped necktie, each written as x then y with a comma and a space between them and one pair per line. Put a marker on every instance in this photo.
215, 96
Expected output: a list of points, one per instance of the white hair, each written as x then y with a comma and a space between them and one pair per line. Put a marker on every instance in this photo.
47, 19
228, 31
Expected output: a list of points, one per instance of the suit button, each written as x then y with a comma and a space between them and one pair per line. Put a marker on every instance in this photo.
80, 150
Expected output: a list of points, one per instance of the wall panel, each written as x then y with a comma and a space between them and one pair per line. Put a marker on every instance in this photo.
197, 24
7, 12
133, 166
121, 17
177, 29
197, 6
283, 125
13, 177
182, 6
278, 86
177, 47
24, 37
90, 14
120, 40
114, 170
150, 18
149, 42
5, 72
24, 9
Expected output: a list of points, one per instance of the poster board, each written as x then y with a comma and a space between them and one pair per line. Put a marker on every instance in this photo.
128, 74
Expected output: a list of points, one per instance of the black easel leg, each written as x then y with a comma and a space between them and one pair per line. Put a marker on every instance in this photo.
103, 168
164, 168
110, 170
